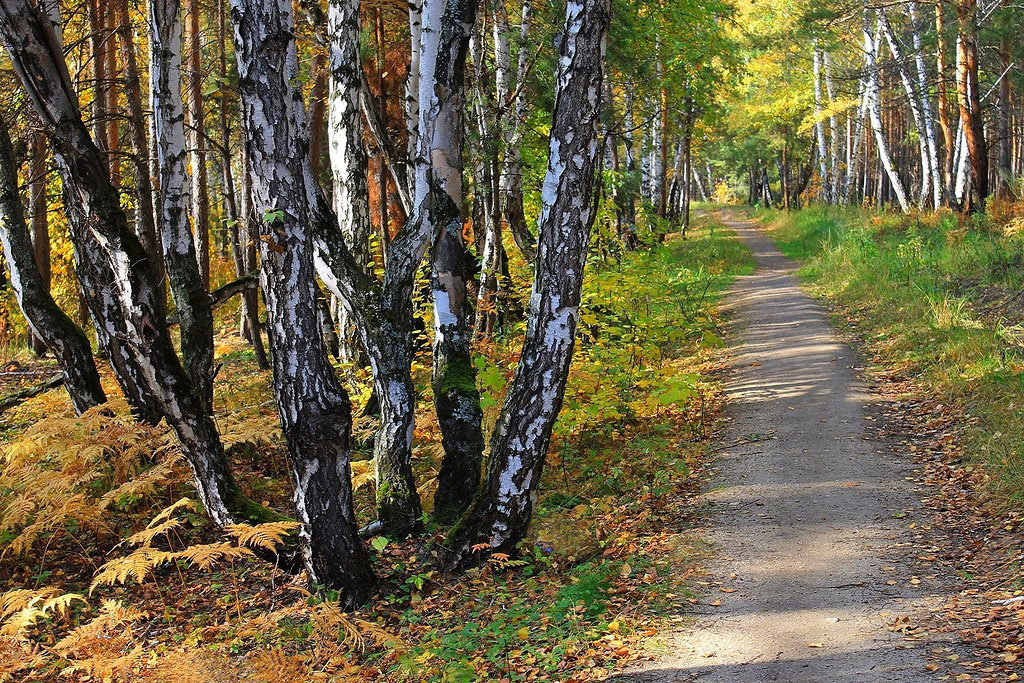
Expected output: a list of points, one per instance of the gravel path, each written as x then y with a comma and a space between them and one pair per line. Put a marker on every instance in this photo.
805, 510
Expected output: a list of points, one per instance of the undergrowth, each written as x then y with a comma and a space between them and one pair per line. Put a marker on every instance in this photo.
113, 573
938, 297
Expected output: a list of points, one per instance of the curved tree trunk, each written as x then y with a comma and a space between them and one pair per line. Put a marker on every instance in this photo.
498, 519
47, 321
187, 283
116, 276
314, 407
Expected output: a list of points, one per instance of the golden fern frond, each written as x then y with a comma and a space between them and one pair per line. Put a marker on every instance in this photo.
145, 537
180, 504
18, 599
97, 633
207, 555
61, 604
137, 565
363, 472
267, 536
331, 628
37, 608
145, 483
17, 513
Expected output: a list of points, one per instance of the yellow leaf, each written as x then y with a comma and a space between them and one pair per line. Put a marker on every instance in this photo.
524, 633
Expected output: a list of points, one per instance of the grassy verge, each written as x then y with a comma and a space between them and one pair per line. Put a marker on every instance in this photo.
605, 556
934, 298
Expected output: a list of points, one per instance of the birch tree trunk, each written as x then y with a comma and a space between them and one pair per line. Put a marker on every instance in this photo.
47, 321
38, 213
412, 86
914, 101
854, 148
447, 27
145, 217
314, 408
498, 519
926, 105
183, 269
200, 194
512, 169
345, 146
236, 219
490, 192
819, 129
871, 95
116, 276
833, 126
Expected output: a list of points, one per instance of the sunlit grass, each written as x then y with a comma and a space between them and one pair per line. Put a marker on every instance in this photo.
935, 298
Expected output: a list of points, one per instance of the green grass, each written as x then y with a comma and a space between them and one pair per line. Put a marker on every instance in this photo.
932, 298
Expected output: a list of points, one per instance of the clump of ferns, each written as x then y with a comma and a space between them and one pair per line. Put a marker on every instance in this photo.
65, 475
161, 545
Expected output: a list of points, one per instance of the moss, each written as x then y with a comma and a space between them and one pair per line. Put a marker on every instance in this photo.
245, 508
456, 376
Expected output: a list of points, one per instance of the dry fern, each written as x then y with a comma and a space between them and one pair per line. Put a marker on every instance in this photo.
205, 556
31, 611
138, 565
363, 472
65, 472
267, 536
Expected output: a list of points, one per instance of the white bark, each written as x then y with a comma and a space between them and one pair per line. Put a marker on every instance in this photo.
926, 106
833, 126
819, 129
915, 106
874, 110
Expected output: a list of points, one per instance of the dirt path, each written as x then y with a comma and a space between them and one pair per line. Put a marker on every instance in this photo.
805, 512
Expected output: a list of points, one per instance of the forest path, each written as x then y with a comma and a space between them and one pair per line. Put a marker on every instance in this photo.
805, 509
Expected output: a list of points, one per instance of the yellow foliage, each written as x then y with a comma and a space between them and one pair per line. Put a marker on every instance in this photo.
64, 472
267, 536
23, 609
362, 473
205, 556
104, 647
137, 565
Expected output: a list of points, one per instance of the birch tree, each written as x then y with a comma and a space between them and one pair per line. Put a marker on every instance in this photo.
116, 276
314, 408
501, 512
47, 321
345, 146
447, 26
183, 267
871, 96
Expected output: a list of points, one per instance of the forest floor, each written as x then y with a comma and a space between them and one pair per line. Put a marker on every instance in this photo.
812, 512
609, 555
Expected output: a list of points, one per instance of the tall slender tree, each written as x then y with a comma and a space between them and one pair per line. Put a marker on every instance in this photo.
498, 518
